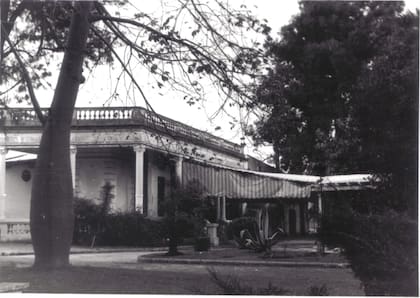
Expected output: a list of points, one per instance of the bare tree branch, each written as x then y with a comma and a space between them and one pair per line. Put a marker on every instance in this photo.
28, 82
10, 88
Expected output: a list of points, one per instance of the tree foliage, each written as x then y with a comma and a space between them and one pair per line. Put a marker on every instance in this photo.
342, 96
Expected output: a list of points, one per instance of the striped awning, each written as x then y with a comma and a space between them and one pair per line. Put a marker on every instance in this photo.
17, 156
346, 182
242, 184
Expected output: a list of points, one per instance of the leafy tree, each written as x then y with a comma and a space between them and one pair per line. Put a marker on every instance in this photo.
209, 49
342, 96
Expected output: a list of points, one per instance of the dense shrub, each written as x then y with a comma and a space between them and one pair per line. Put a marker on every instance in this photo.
382, 249
130, 229
86, 221
92, 226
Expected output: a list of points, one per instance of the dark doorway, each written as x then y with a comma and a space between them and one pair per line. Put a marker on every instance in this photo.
292, 222
276, 215
302, 216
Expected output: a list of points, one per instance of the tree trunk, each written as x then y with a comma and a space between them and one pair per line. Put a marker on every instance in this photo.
51, 216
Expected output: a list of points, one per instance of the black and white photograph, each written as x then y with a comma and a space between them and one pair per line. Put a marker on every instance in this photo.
209, 147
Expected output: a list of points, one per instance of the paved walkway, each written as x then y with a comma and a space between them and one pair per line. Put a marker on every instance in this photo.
25, 248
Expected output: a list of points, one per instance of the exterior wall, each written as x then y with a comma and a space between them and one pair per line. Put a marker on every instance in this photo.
91, 175
18, 191
93, 172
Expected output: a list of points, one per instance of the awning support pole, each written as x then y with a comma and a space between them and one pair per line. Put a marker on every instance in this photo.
320, 204
243, 208
218, 208
223, 208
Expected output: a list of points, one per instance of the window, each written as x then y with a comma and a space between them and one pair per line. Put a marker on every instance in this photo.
26, 175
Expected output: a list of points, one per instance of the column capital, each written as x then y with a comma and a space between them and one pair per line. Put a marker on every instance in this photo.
73, 149
139, 148
3, 150
176, 158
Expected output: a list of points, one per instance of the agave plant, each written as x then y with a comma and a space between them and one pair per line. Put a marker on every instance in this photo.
259, 239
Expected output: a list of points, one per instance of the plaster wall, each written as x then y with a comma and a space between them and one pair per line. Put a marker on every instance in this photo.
92, 173
18, 192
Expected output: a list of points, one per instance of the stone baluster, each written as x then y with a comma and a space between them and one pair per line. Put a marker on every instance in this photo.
178, 170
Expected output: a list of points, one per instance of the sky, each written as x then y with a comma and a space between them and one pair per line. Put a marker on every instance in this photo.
98, 86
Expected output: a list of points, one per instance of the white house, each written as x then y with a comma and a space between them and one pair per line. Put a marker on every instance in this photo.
136, 151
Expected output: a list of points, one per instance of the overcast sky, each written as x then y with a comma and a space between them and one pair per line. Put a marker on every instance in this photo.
97, 88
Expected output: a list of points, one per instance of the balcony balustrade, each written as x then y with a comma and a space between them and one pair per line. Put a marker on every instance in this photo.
15, 118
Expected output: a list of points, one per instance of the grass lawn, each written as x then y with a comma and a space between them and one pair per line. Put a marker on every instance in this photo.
85, 279
178, 279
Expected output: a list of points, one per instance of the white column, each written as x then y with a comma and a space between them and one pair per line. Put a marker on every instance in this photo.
178, 169
3, 152
73, 151
139, 149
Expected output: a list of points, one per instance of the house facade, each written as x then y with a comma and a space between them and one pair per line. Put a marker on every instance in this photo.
140, 153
